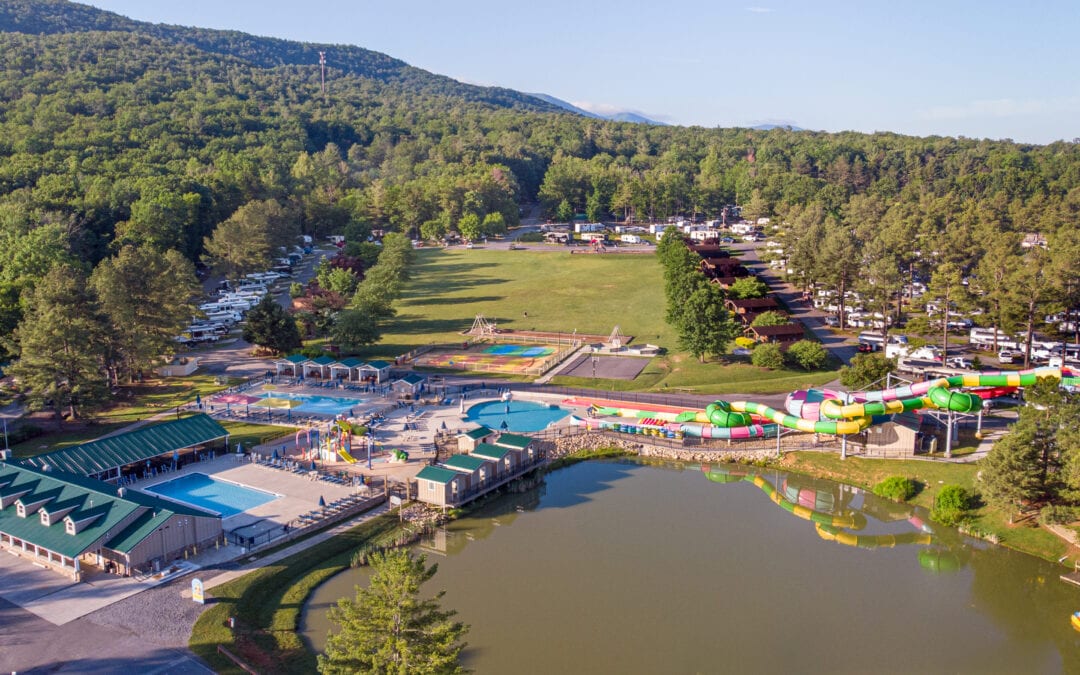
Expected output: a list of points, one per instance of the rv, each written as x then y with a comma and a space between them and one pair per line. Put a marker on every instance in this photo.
630, 239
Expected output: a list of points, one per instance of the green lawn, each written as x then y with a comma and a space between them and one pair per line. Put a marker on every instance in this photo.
561, 292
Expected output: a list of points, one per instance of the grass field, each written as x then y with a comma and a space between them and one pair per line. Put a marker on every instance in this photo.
565, 293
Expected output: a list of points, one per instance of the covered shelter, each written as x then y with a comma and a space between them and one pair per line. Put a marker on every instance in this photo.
62, 522
409, 386
291, 363
347, 369
374, 371
108, 458
320, 366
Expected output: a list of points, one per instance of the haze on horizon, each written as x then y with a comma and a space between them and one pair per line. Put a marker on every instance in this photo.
991, 69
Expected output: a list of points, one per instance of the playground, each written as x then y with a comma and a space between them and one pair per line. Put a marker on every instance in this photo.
511, 359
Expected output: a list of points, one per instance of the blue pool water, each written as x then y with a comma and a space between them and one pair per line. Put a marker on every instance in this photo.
523, 415
218, 496
319, 405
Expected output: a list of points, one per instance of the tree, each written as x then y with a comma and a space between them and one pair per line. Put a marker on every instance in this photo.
270, 326
866, 370
354, 329
470, 227
705, 326
61, 342
748, 287
388, 628
148, 297
768, 355
1010, 472
246, 241
947, 288
770, 318
809, 354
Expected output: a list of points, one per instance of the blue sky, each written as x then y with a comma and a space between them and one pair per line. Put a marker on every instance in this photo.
990, 68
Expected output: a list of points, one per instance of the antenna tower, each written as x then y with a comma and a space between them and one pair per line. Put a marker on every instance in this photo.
322, 73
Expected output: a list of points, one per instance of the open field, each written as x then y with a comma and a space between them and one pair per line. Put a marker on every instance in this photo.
564, 293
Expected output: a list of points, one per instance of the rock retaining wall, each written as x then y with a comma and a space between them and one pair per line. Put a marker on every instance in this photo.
568, 445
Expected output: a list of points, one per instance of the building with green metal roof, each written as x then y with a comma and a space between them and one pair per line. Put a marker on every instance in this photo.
467, 464
468, 440
63, 522
515, 441
504, 460
106, 458
439, 486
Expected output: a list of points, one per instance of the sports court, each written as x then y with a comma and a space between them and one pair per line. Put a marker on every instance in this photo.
606, 367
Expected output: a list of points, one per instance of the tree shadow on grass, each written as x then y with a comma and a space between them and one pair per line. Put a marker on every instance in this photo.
458, 301
444, 285
418, 323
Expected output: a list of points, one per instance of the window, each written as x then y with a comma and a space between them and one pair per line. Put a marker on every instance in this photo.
431, 487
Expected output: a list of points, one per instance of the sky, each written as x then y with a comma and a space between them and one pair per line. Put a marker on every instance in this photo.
974, 68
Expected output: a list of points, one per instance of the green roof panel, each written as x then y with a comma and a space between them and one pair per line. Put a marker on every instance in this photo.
436, 474
515, 441
136, 446
466, 463
491, 452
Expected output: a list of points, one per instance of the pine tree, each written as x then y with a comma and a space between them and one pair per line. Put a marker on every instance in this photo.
388, 628
61, 341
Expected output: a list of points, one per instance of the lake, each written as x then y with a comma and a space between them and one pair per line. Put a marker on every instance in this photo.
619, 567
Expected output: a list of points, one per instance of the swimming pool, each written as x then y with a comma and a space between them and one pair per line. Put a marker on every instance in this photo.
309, 403
219, 496
522, 416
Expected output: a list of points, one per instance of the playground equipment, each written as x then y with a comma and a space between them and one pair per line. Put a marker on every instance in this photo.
819, 411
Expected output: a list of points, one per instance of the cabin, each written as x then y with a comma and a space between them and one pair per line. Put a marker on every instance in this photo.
468, 440
504, 460
528, 447
784, 334
478, 472
748, 309
439, 486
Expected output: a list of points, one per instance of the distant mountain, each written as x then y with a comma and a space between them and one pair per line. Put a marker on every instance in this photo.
616, 117
767, 127
50, 17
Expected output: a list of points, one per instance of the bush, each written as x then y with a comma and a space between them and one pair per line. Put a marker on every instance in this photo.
296, 289
951, 505
808, 354
768, 355
531, 238
745, 342
1055, 514
896, 488
24, 433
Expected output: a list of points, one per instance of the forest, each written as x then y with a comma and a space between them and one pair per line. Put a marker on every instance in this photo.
122, 141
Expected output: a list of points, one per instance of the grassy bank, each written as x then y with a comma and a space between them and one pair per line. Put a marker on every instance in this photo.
1025, 536
267, 604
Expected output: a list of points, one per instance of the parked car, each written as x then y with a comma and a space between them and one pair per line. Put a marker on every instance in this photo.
960, 362
1008, 356
833, 321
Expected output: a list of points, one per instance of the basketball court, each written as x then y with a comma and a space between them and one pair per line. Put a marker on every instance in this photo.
606, 367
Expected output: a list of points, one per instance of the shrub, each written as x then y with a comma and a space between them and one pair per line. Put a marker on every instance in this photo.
531, 237
897, 488
745, 342
768, 355
951, 505
1055, 514
808, 354
296, 289
24, 433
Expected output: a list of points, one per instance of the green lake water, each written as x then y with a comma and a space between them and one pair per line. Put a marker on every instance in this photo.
616, 567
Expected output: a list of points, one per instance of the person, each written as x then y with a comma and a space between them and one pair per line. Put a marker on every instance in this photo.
525, 315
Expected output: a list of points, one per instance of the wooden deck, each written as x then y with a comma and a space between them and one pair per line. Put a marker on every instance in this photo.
1071, 578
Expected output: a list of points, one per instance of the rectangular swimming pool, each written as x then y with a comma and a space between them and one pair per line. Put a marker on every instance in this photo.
213, 494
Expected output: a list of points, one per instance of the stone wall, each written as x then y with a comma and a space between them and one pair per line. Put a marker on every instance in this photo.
568, 445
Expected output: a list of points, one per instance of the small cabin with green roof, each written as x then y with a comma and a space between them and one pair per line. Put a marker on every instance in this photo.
439, 486
477, 471
528, 448
468, 440
506, 460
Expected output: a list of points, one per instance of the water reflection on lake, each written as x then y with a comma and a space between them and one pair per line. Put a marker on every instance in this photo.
615, 567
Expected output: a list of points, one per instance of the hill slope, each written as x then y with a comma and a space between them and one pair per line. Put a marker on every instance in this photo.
60, 16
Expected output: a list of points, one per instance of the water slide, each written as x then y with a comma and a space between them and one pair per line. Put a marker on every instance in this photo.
813, 411
345, 456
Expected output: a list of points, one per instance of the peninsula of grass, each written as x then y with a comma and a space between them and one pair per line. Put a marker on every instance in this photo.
1026, 537
267, 604
560, 292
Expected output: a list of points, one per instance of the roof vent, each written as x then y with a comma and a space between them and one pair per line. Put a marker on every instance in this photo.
45, 466
121, 492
